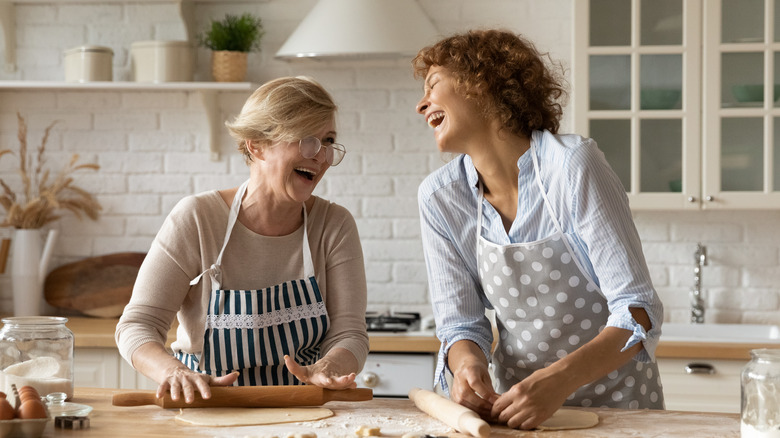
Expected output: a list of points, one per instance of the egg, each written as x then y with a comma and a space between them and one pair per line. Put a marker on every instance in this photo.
27, 388
32, 409
6, 410
28, 393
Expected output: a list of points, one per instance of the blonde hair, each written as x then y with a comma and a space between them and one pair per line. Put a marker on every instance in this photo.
284, 109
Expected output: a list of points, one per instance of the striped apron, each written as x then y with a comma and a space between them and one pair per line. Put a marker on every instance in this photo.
250, 331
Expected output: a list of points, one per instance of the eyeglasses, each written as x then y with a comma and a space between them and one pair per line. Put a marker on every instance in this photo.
310, 147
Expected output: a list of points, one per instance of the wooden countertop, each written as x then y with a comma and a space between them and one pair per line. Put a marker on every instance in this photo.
394, 417
99, 333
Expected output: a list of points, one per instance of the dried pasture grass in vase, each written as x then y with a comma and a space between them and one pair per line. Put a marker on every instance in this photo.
43, 195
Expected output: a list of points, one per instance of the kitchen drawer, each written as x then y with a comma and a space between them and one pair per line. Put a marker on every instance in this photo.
714, 388
394, 374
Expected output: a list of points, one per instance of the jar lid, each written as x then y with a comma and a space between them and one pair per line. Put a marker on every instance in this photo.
169, 43
95, 49
35, 320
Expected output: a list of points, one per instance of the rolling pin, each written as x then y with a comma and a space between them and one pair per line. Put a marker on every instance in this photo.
456, 416
247, 396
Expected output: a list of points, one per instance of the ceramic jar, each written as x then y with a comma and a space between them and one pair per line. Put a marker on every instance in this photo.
88, 64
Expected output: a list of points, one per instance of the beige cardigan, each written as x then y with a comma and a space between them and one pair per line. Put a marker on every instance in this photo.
189, 242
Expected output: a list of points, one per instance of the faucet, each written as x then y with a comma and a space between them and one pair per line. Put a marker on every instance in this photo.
697, 303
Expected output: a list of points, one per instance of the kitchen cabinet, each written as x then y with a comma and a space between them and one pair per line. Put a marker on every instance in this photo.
681, 97
711, 385
105, 368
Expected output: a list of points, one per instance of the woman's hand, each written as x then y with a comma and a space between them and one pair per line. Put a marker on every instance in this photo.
531, 401
471, 383
472, 388
184, 381
324, 373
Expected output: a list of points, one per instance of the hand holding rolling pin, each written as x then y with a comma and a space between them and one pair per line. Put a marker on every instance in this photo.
459, 417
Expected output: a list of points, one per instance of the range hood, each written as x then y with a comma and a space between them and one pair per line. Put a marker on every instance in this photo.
360, 29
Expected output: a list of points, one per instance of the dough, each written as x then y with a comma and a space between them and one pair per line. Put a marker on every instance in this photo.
249, 416
367, 431
570, 419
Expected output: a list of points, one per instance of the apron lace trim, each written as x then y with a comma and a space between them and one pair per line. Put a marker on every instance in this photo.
276, 317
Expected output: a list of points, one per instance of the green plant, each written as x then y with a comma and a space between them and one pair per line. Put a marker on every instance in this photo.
233, 33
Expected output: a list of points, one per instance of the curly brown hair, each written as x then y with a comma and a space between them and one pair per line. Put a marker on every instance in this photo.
505, 74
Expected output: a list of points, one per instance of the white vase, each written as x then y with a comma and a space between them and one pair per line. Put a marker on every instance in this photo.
29, 264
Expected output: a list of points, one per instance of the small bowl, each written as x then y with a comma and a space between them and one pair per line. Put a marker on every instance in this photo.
659, 98
752, 93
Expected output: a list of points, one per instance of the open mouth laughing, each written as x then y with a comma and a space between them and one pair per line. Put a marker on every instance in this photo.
306, 173
435, 119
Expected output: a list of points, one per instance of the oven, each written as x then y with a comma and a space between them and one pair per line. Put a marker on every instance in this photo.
393, 374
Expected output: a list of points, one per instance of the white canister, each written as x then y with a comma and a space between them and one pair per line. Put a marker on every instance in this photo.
162, 61
88, 63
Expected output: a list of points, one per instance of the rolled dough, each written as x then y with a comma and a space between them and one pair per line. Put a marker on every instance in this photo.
249, 416
564, 419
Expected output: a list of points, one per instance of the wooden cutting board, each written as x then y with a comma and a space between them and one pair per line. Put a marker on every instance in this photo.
97, 286
248, 396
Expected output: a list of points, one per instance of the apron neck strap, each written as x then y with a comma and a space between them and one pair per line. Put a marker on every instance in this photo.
235, 207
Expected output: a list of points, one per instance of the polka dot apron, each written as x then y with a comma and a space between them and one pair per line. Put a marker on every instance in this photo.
251, 330
547, 307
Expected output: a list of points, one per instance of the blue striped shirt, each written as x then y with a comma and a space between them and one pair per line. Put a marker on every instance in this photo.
592, 207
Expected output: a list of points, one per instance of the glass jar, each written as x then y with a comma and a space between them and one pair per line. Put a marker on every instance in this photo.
36, 351
761, 395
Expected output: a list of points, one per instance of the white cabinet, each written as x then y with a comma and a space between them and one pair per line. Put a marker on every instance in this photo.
105, 368
674, 93
703, 385
394, 374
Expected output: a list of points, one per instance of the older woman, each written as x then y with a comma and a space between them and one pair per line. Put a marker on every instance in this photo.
535, 225
267, 280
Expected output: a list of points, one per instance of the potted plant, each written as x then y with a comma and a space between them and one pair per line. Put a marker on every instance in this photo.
40, 201
230, 40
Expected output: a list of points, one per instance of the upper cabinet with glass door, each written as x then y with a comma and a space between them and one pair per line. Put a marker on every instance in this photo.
741, 125
638, 82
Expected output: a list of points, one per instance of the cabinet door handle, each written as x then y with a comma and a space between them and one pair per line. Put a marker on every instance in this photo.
699, 368
709, 198
691, 199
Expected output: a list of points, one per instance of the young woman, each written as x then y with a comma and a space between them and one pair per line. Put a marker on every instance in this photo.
536, 226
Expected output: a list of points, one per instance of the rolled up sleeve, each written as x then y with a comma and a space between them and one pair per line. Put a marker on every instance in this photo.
458, 303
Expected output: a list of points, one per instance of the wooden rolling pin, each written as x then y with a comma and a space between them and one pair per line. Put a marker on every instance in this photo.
459, 417
248, 396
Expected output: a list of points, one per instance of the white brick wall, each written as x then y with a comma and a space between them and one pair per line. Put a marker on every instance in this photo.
152, 148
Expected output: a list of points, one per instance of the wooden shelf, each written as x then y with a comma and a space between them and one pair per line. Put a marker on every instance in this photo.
207, 90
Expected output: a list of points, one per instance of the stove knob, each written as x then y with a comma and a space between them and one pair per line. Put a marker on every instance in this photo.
370, 379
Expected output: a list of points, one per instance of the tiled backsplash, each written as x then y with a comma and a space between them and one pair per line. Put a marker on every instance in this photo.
152, 149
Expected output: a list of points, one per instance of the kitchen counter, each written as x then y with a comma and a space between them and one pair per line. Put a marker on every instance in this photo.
394, 417
99, 333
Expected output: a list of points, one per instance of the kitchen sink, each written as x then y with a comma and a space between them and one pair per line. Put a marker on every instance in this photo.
741, 333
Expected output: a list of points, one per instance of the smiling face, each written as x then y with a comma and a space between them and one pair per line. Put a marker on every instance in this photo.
288, 175
455, 120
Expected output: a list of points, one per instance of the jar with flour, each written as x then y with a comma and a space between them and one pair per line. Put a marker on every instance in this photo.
761, 395
36, 351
